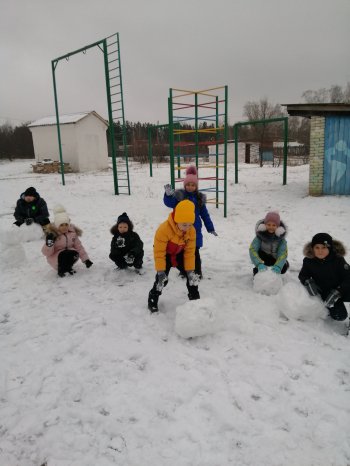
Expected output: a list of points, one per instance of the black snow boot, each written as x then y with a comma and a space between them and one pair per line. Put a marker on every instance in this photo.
153, 297
193, 293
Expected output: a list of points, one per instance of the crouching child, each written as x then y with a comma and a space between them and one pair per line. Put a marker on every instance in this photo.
126, 245
325, 273
175, 246
62, 246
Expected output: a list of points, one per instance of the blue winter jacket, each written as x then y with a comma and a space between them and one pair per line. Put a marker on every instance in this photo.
200, 211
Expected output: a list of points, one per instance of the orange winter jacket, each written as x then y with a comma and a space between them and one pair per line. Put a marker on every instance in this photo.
169, 239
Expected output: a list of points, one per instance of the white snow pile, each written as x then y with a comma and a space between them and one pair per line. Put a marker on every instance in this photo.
12, 252
197, 318
267, 282
296, 303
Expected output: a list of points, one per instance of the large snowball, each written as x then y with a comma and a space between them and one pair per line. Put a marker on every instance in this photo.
197, 318
12, 253
295, 303
267, 282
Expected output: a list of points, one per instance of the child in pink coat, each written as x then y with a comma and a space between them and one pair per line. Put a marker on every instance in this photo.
63, 247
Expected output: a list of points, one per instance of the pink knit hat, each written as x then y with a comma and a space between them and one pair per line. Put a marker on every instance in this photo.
273, 217
191, 175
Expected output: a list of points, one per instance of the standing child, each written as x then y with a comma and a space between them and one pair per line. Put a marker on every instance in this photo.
63, 247
326, 273
172, 197
174, 246
269, 247
31, 208
126, 245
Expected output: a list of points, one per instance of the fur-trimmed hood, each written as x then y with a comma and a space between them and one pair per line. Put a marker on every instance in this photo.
51, 228
260, 230
338, 249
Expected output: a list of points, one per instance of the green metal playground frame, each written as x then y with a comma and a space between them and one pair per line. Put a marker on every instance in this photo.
262, 122
104, 46
216, 109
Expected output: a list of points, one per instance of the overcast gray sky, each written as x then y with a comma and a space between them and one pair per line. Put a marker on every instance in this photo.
259, 48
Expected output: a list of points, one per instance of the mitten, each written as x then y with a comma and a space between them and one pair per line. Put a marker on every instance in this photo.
169, 190
193, 278
213, 233
129, 259
88, 263
311, 287
332, 298
50, 240
162, 280
29, 221
262, 267
276, 269
18, 222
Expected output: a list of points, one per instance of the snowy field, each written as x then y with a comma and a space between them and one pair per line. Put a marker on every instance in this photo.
89, 378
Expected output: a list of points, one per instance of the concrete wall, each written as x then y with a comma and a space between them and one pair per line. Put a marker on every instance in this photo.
316, 156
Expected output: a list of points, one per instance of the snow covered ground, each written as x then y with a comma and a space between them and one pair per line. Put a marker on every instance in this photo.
89, 378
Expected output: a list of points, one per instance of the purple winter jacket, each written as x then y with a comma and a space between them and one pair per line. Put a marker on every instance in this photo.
68, 240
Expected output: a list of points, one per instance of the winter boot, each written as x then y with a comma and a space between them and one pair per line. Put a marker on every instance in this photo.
193, 293
153, 297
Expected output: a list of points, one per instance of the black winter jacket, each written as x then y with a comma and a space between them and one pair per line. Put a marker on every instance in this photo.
330, 273
37, 210
126, 243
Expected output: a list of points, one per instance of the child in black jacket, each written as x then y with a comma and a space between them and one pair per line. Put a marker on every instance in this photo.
126, 245
31, 208
326, 273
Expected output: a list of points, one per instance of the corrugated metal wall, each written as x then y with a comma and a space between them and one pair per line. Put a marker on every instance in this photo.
336, 179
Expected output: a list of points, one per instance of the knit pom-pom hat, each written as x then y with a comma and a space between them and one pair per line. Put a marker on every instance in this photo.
60, 216
184, 212
123, 218
273, 217
191, 175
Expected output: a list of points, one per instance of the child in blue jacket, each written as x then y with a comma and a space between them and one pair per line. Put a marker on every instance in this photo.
269, 247
172, 197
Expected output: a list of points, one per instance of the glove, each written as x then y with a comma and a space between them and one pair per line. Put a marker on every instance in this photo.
129, 259
193, 278
332, 298
50, 240
88, 263
169, 190
262, 267
213, 233
29, 221
18, 222
162, 280
276, 269
311, 287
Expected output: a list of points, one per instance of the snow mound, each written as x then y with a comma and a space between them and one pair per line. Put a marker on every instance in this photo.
12, 253
197, 318
267, 282
296, 303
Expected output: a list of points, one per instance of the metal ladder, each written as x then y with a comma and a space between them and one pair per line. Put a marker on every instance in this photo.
116, 103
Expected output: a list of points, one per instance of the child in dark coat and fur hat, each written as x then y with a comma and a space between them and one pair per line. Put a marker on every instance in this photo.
326, 273
269, 247
126, 245
172, 197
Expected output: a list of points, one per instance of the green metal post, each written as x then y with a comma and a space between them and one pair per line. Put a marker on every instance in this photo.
150, 155
236, 151
53, 67
110, 118
171, 138
225, 153
285, 151
123, 116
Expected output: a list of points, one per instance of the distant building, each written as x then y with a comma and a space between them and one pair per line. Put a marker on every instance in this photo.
83, 138
329, 146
